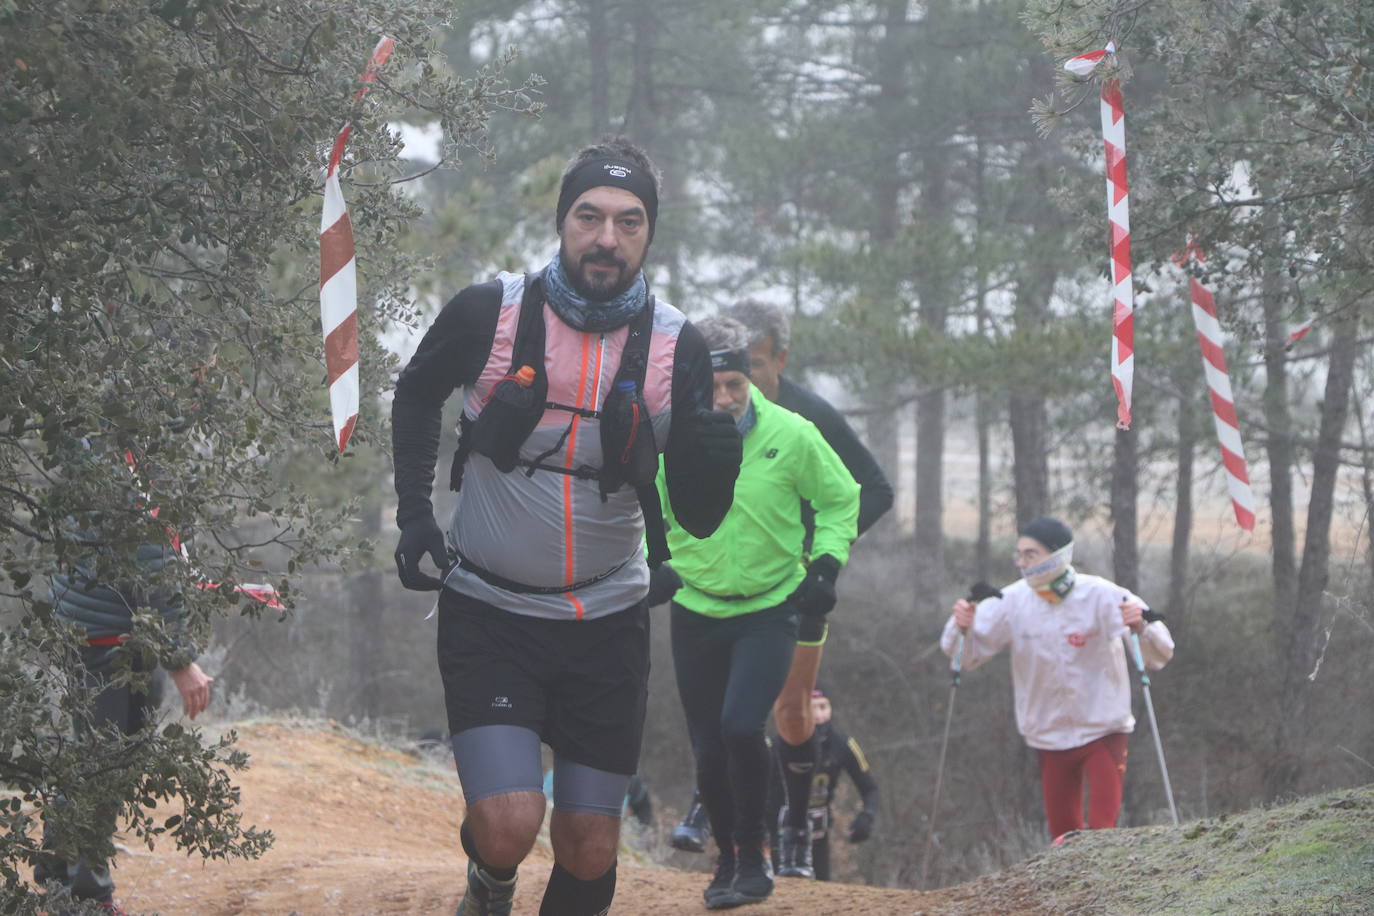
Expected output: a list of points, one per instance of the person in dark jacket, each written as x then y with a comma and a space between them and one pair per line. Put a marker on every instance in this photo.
769, 336
840, 755
105, 616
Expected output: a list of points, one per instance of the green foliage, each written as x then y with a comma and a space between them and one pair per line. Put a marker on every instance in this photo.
1311, 856
1250, 127
160, 172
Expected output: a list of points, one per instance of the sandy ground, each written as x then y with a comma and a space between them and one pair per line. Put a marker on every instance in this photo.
365, 830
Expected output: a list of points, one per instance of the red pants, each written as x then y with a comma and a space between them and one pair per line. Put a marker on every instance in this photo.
1101, 765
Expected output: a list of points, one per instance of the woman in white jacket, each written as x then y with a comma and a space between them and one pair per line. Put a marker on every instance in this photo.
1069, 675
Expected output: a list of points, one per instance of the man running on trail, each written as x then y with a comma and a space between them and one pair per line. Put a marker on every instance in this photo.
769, 336
840, 754
1068, 666
578, 380
744, 590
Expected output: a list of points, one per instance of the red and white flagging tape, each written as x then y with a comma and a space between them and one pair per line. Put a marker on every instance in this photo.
1119, 225
339, 278
1297, 334
1223, 404
264, 594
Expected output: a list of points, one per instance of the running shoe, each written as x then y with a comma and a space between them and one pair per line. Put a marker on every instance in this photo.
753, 878
486, 896
719, 892
691, 835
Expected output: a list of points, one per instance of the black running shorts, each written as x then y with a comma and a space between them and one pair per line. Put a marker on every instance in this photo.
581, 685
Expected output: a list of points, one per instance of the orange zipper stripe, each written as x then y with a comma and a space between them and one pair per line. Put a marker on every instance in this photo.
568, 544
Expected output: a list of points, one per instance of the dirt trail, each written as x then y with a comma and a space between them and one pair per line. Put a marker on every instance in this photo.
364, 830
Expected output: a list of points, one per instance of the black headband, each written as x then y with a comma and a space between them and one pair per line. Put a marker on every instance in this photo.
615, 173
730, 361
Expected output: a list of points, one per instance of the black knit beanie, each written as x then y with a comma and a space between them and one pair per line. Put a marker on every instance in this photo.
1048, 531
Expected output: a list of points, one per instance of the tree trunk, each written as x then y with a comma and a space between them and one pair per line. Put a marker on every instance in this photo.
983, 552
1030, 455
1183, 514
886, 191
930, 452
1300, 655
891, 80
1366, 479
367, 649
1125, 483
641, 121
982, 409
599, 53
1278, 444
1027, 408
937, 286
1028, 415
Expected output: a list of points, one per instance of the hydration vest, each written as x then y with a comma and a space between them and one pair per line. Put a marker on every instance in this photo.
516, 403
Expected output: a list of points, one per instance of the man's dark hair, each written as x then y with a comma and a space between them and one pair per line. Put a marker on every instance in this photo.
615, 146
763, 321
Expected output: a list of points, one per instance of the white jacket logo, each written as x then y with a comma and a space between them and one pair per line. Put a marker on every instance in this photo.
502, 703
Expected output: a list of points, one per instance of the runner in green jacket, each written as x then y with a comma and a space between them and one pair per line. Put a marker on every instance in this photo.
744, 591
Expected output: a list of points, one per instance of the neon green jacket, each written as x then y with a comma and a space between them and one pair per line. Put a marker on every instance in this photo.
757, 550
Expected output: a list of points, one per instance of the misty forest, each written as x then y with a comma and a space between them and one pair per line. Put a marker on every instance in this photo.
921, 186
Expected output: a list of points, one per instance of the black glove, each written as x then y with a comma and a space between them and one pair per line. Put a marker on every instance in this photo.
419, 537
663, 585
862, 827
718, 438
816, 595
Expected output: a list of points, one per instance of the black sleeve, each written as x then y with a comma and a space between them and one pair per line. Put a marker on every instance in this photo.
856, 765
452, 354
875, 493
700, 494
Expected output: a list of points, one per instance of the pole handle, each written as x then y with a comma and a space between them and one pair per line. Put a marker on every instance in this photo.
976, 593
1139, 659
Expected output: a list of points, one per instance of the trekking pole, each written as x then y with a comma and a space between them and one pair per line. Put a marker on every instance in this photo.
1154, 724
978, 592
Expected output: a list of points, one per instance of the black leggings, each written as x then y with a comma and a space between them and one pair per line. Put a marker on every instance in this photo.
729, 672
88, 877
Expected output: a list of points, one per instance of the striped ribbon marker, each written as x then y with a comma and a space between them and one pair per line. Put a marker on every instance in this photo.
339, 277
1223, 404
1297, 334
1118, 220
264, 594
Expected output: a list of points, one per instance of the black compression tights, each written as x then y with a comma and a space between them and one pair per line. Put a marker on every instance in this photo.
729, 671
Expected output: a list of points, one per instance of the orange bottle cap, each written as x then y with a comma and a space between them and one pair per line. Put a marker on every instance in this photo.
525, 375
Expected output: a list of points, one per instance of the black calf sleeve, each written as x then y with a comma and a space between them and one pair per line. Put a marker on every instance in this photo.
470, 847
799, 765
568, 895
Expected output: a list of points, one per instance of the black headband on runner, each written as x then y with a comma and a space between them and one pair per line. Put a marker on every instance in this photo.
730, 361
615, 173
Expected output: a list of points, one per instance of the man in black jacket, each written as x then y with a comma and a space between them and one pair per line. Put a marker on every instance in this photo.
578, 379
770, 334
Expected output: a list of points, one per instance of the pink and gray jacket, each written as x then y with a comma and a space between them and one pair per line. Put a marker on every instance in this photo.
547, 529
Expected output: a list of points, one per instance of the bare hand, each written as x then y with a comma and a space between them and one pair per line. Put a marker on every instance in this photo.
963, 613
1132, 614
194, 686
